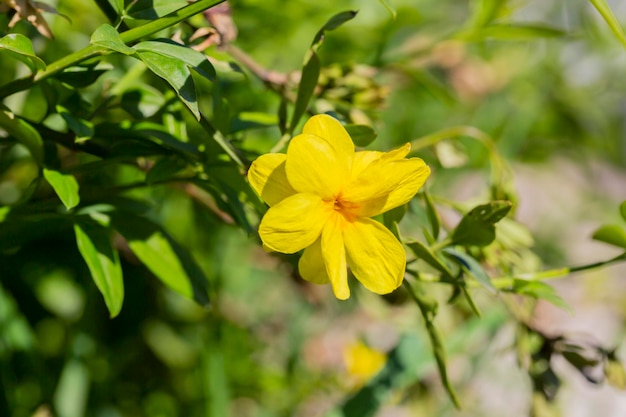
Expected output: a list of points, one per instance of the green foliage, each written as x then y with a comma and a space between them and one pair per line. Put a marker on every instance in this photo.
131, 278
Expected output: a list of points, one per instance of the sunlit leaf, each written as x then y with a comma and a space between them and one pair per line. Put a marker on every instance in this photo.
64, 185
94, 244
107, 37
20, 47
612, 234
153, 9
192, 58
539, 290
24, 133
176, 73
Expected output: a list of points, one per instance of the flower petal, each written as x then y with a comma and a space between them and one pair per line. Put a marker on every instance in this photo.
311, 265
384, 183
375, 256
362, 159
330, 129
294, 223
268, 178
315, 165
334, 254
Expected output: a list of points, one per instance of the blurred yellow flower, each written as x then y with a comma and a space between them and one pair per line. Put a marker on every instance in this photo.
362, 362
322, 194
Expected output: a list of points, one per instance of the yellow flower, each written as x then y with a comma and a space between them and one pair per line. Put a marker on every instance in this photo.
322, 194
363, 362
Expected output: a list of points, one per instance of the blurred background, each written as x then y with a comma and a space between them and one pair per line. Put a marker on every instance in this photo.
545, 82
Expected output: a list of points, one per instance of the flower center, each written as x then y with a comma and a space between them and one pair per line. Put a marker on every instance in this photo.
345, 208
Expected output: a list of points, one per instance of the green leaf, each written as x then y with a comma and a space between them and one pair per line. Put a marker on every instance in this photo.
82, 128
539, 290
153, 9
252, 120
608, 15
82, 76
165, 169
389, 8
424, 253
477, 227
510, 32
142, 101
622, 210
332, 23
311, 68
24, 133
4, 212
486, 12
433, 216
612, 234
65, 185
177, 74
107, 37
94, 245
163, 256
21, 48
192, 58
310, 74
362, 135
472, 267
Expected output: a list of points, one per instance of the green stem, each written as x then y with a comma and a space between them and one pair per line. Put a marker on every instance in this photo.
428, 307
608, 15
499, 168
91, 51
281, 143
507, 282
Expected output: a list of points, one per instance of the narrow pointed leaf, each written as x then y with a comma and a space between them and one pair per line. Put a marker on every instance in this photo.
94, 245
310, 74
424, 253
389, 8
433, 216
65, 186
607, 14
622, 210
472, 267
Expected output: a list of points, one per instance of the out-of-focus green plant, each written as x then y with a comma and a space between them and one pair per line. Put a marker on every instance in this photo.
126, 132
